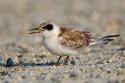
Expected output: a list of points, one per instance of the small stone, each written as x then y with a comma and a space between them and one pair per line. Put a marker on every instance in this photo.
33, 64
111, 60
9, 62
21, 63
73, 74
108, 71
4, 73
76, 73
73, 62
20, 56
47, 63
123, 66
99, 62
15, 59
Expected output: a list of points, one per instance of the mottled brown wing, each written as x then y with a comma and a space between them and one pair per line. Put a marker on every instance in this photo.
72, 38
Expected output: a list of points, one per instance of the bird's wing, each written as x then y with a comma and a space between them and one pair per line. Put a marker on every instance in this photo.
74, 39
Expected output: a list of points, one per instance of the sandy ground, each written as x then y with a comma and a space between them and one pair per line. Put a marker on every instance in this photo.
100, 64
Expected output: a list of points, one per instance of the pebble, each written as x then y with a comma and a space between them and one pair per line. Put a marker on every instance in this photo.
15, 59
21, 63
73, 62
123, 66
4, 73
111, 60
108, 72
9, 62
76, 73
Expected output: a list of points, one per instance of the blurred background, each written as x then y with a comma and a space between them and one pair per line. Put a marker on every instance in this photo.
100, 17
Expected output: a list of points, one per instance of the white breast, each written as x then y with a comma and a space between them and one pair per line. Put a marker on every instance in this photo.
53, 45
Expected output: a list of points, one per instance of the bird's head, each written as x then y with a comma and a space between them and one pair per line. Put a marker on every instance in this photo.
46, 29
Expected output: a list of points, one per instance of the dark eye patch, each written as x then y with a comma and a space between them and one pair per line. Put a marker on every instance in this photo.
44, 27
48, 27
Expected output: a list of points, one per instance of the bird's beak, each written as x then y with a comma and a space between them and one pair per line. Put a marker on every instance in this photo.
36, 30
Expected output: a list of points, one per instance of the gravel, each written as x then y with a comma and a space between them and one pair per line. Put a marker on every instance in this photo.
24, 59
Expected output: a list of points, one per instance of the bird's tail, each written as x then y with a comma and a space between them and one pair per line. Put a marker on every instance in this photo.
103, 40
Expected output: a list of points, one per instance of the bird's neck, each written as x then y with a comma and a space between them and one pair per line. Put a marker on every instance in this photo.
50, 36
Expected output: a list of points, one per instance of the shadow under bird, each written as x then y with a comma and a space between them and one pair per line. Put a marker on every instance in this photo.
64, 41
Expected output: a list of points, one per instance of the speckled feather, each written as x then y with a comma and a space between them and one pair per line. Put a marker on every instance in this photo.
73, 38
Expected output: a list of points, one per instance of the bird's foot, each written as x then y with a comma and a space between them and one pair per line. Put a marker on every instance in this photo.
55, 63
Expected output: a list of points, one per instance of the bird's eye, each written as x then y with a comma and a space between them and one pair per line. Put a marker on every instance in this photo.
48, 27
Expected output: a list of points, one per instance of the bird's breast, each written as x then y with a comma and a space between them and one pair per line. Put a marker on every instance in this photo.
53, 45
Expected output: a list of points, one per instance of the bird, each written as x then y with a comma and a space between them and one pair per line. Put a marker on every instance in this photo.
66, 41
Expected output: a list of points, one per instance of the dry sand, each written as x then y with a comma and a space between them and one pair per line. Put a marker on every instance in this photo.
102, 64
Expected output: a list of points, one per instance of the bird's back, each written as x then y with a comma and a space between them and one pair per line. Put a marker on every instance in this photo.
73, 38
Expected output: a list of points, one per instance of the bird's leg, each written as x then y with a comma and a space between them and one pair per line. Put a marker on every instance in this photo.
59, 59
66, 60
57, 63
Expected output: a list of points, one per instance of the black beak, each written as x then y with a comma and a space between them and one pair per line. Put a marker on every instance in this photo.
36, 30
